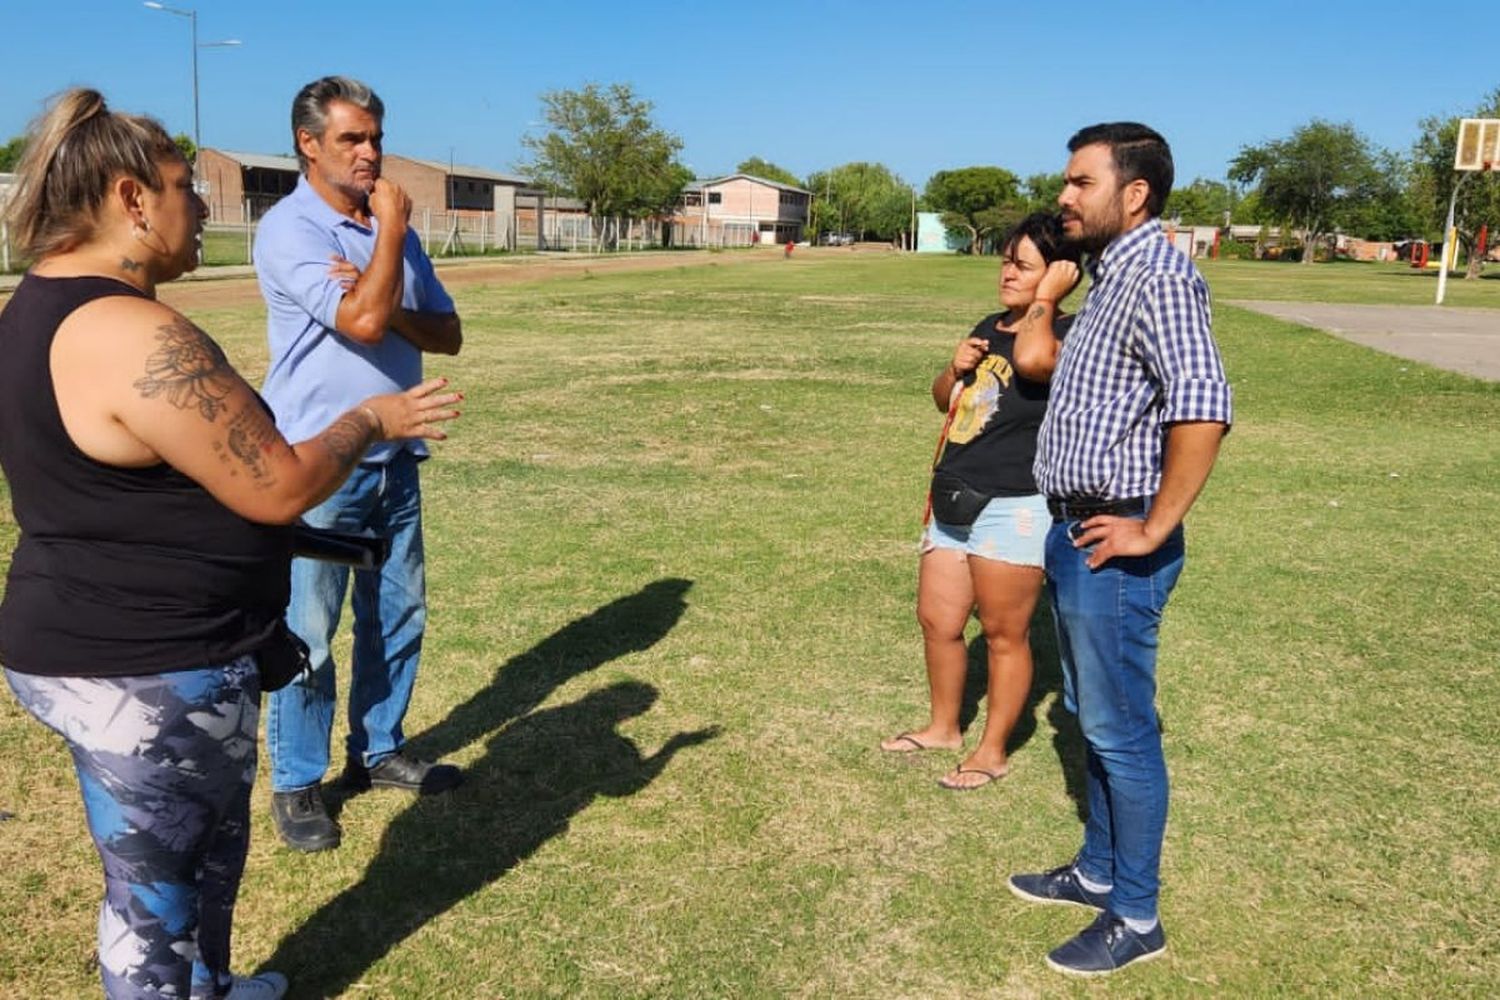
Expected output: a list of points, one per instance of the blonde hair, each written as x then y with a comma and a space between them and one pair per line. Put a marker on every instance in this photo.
74, 151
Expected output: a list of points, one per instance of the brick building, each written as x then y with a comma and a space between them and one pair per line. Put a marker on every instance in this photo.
239, 187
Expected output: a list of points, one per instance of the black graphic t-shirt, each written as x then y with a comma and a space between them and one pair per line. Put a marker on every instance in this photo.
992, 440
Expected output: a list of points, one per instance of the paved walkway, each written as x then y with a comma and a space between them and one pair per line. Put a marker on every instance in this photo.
1459, 340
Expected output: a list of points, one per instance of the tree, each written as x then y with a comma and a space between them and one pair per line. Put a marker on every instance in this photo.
604, 149
186, 146
766, 170
1393, 211
980, 200
1041, 192
1433, 178
865, 199
11, 153
1315, 179
1201, 203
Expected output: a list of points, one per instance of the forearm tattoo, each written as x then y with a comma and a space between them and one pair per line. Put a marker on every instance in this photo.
252, 436
189, 369
348, 438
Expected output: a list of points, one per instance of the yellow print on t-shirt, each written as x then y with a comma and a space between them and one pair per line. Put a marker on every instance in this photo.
980, 399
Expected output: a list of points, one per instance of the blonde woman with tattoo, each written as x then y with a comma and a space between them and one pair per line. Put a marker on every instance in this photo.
153, 495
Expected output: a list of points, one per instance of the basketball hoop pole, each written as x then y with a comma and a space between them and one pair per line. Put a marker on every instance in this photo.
1450, 244
1477, 149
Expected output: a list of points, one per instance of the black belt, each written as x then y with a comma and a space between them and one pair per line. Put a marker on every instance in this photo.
1083, 508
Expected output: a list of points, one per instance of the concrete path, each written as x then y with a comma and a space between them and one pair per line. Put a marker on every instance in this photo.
1459, 340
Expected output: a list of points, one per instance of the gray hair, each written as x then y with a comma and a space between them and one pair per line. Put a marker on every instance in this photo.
310, 106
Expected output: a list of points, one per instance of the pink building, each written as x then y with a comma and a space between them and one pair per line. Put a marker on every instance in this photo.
740, 210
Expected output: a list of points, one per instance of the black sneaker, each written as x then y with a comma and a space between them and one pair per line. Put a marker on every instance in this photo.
1107, 945
302, 820
405, 772
1060, 885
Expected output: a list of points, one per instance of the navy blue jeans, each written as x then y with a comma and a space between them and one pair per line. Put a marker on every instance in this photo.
1107, 622
390, 617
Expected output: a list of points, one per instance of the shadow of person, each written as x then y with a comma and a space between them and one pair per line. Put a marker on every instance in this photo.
625, 625
534, 776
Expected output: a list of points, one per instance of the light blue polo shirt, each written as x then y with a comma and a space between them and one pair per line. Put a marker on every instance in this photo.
316, 373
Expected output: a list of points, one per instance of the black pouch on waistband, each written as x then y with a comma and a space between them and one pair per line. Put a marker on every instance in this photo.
282, 658
954, 501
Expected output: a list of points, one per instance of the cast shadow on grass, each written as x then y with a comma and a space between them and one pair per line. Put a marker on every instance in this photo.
539, 769
1046, 678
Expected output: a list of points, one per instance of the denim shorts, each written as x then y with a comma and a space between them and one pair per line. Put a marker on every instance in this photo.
1010, 529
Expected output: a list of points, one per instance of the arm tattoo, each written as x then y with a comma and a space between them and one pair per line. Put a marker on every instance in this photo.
189, 369
1037, 312
251, 438
348, 438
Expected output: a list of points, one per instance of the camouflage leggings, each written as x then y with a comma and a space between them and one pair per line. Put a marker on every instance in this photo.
165, 763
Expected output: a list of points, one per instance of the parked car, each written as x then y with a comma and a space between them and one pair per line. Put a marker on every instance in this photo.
836, 239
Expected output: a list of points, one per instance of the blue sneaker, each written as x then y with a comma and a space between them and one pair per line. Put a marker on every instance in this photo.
1060, 885
1107, 945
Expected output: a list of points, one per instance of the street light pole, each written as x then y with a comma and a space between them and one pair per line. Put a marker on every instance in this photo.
192, 16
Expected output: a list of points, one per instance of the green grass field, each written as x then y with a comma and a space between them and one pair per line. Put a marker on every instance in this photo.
1349, 281
672, 571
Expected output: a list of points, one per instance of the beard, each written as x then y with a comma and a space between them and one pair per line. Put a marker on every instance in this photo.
1097, 231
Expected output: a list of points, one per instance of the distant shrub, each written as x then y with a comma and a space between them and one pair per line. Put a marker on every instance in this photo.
1230, 250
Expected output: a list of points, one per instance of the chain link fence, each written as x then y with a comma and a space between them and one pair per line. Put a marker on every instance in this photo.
462, 234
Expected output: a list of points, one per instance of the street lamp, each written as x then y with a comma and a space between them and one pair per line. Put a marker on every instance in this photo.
192, 16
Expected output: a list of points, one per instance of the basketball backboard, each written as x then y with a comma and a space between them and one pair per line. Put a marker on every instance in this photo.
1478, 144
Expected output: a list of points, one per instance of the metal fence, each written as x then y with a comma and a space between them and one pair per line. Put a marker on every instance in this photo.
455, 234
460, 234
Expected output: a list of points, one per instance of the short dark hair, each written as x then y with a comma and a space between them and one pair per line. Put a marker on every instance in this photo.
1045, 231
1139, 153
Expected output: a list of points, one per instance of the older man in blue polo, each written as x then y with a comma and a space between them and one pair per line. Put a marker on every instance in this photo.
1139, 406
352, 304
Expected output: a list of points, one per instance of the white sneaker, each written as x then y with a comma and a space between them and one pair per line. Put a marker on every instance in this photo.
266, 986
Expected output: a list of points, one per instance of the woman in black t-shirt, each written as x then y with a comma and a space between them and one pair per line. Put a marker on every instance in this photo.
152, 493
983, 544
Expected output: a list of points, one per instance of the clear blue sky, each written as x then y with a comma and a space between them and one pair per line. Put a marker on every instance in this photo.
919, 87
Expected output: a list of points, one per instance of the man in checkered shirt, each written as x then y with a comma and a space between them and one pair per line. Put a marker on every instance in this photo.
1139, 405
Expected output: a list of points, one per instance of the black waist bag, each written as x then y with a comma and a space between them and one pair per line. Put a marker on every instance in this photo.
954, 501
282, 658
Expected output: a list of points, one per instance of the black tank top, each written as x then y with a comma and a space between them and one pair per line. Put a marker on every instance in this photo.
117, 571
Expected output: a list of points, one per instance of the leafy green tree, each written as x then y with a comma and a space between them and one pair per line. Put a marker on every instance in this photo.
1041, 191
186, 146
1393, 211
1201, 203
1316, 179
766, 170
865, 199
1433, 178
603, 148
10, 154
976, 200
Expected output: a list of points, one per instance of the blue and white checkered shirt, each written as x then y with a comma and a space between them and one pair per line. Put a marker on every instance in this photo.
1141, 355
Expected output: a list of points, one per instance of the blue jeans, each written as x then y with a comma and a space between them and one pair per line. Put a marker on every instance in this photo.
390, 614
1107, 620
